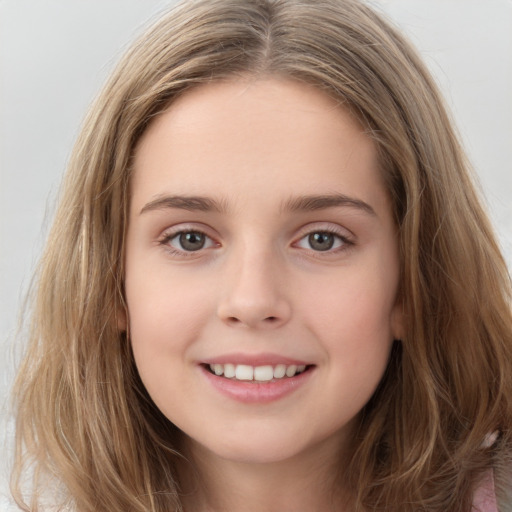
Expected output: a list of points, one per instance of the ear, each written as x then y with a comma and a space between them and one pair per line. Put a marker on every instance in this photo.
398, 321
121, 319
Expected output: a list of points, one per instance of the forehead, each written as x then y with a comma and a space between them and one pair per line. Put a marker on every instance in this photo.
266, 135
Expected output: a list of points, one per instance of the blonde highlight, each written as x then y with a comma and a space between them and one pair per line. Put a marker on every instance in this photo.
84, 418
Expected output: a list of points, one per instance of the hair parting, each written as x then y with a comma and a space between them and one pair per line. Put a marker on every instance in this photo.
84, 420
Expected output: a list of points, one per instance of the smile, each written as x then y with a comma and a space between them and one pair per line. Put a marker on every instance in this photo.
264, 373
258, 383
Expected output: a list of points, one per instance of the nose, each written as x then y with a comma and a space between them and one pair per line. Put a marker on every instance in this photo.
254, 294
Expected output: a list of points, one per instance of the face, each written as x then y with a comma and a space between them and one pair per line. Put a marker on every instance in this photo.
261, 269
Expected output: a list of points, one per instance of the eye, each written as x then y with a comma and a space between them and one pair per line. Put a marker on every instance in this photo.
322, 241
188, 241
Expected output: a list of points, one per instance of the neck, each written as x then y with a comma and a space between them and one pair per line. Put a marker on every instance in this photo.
309, 482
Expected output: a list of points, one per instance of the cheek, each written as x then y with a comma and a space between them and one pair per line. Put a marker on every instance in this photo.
165, 320
359, 309
165, 314
354, 317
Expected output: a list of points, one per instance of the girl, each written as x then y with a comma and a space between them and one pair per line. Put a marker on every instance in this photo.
270, 284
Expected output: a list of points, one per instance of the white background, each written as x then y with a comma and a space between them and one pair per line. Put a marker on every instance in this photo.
55, 54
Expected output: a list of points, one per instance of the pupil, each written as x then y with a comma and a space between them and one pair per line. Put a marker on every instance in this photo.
321, 241
192, 241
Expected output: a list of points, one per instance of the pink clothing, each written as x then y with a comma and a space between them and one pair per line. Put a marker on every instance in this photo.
484, 499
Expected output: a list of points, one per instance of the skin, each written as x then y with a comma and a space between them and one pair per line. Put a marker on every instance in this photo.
258, 285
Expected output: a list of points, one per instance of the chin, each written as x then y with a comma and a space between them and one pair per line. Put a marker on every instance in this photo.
257, 454
261, 446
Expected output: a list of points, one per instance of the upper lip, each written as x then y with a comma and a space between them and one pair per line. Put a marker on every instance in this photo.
264, 359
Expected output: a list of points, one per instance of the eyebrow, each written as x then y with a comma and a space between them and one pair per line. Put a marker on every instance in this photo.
301, 203
321, 202
191, 203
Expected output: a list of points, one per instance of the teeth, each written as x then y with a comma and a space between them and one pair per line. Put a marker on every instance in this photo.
244, 372
279, 371
229, 371
291, 370
256, 373
263, 373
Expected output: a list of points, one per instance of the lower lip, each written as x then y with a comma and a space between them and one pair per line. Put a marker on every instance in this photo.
251, 392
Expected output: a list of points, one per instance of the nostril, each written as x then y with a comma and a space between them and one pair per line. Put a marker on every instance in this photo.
250, 320
268, 319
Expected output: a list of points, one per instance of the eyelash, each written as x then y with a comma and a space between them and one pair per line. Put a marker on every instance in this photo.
168, 237
343, 242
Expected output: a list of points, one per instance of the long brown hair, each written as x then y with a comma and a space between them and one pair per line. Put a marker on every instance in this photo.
84, 419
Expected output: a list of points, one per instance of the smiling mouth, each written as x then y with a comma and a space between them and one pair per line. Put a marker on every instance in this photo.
266, 373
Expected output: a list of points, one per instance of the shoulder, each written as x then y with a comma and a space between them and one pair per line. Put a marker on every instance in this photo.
484, 497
